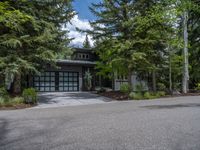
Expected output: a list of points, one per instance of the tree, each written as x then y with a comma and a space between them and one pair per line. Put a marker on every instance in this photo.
31, 37
86, 43
115, 28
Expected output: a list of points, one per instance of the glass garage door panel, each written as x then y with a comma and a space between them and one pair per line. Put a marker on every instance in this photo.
68, 81
45, 82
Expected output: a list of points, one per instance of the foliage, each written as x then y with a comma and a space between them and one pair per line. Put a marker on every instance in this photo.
3, 92
146, 37
146, 95
161, 93
198, 86
161, 86
101, 90
9, 102
86, 43
31, 36
125, 88
136, 96
139, 88
30, 95
88, 80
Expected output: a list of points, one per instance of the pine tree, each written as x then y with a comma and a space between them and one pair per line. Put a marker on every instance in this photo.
86, 43
31, 36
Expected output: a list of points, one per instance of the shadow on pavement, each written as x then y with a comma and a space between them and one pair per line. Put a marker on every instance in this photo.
3, 129
172, 106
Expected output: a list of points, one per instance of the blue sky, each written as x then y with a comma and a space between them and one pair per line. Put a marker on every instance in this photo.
81, 21
81, 7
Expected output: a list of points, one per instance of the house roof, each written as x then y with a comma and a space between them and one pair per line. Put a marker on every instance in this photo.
84, 50
79, 62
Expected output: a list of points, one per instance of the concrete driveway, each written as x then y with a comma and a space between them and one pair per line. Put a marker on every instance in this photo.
167, 124
58, 99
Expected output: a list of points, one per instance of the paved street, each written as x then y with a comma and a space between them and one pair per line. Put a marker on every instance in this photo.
168, 124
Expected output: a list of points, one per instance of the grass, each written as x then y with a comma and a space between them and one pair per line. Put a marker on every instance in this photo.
11, 102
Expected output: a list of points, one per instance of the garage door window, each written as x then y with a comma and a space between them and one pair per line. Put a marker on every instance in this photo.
57, 81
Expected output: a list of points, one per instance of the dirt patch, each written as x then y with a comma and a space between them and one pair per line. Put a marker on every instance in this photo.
18, 106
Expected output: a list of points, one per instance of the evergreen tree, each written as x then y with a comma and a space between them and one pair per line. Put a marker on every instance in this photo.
31, 36
86, 43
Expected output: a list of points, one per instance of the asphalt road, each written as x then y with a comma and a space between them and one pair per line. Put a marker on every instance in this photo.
168, 124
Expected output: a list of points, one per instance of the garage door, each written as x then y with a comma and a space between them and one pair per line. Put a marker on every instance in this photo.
57, 81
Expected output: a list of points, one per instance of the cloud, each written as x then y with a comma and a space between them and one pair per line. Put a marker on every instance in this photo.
79, 38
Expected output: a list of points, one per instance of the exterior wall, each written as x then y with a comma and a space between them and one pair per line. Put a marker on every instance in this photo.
134, 81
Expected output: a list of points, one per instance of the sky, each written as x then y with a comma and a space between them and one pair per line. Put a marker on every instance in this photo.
81, 21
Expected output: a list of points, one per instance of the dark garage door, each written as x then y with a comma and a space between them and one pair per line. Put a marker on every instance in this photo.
57, 81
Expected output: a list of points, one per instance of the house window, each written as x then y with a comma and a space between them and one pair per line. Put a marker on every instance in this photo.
83, 56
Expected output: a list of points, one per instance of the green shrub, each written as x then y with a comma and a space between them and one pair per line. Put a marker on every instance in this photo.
197, 86
140, 87
161, 86
147, 95
101, 90
17, 100
3, 92
161, 93
136, 96
30, 95
125, 88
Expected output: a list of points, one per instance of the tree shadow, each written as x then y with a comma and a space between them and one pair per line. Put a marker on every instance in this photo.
172, 106
3, 129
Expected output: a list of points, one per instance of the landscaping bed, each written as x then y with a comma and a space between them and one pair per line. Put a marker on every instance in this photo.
120, 96
16, 106
25, 100
116, 95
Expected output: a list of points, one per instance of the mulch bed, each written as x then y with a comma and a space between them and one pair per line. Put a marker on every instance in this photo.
117, 95
19, 106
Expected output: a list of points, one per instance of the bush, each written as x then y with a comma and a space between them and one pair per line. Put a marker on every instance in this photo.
161, 93
161, 87
3, 92
17, 100
198, 86
140, 87
101, 90
125, 88
9, 102
30, 95
136, 96
147, 95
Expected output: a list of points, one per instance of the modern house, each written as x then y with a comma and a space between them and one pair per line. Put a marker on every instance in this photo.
69, 76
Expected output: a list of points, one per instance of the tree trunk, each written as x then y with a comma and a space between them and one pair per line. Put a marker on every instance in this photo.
129, 79
154, 80
170, 71
185, 79
17, 85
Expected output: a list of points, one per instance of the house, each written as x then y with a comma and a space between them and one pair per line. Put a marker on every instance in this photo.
69, 76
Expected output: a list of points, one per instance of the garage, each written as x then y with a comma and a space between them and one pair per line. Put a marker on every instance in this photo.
62, 81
